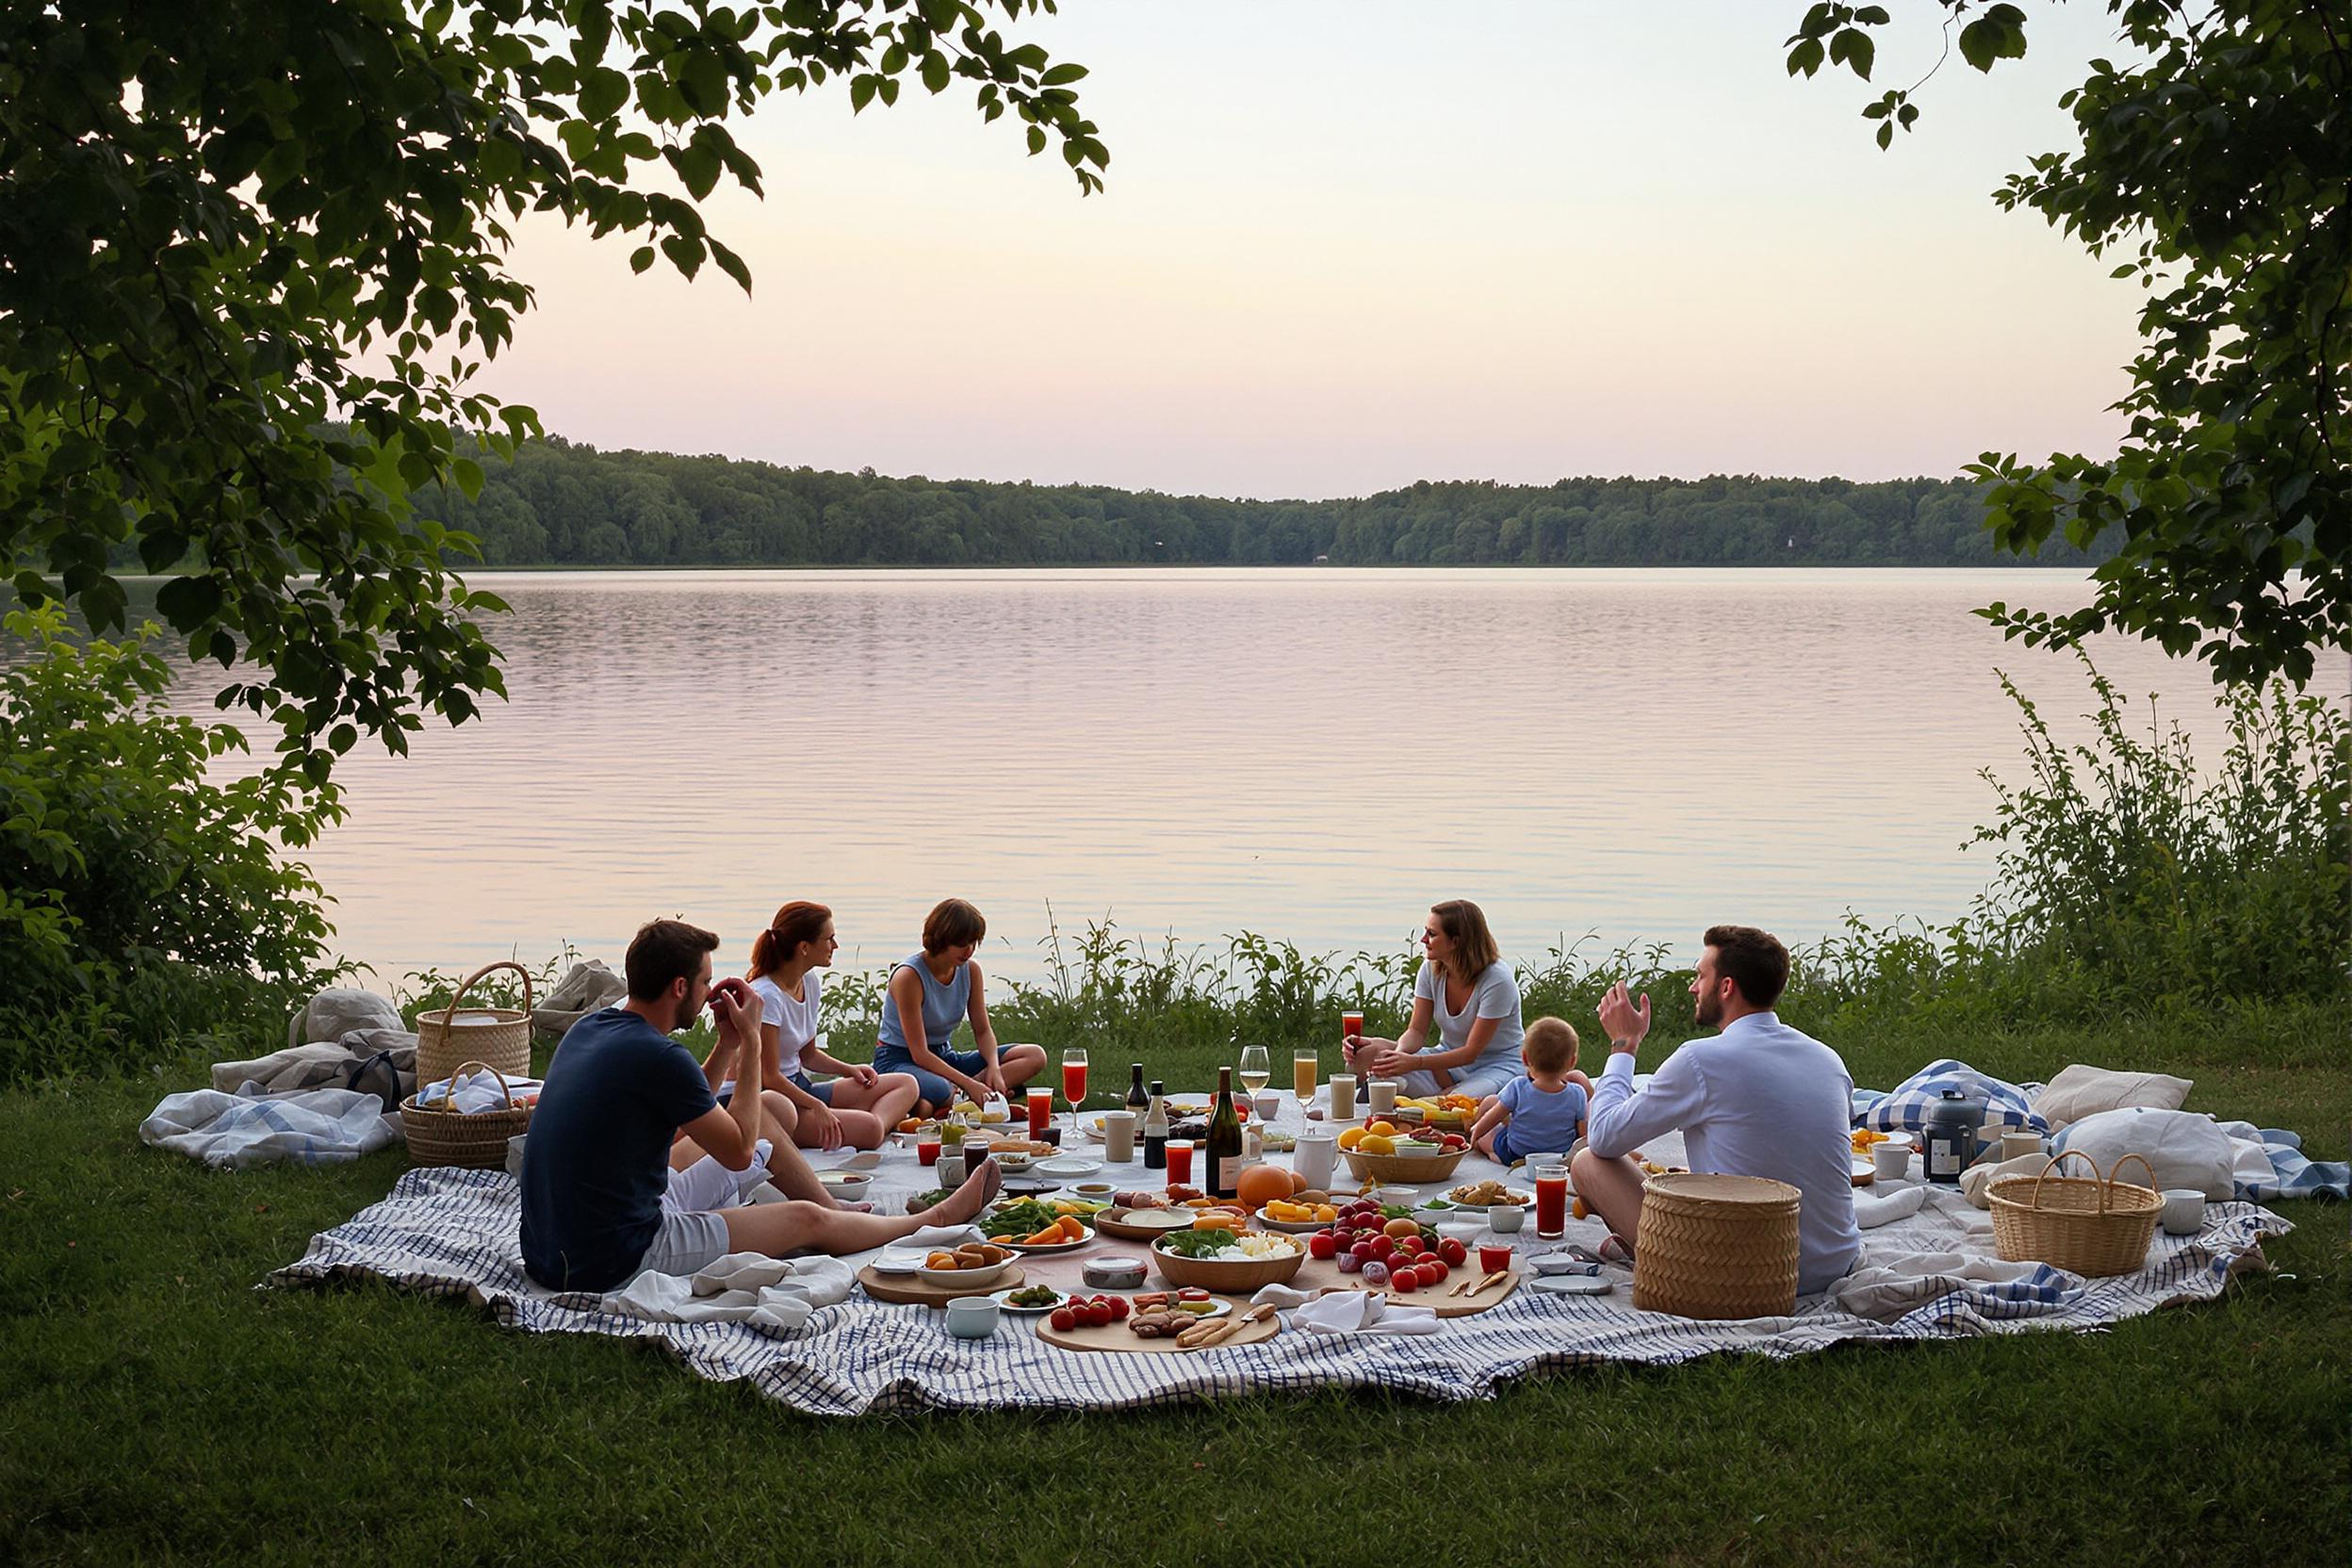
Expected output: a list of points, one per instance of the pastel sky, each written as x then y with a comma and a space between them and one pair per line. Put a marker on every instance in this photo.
1349, 246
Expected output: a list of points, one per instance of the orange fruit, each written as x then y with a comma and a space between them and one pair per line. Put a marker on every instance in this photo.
1376, 1144
1298, 1184
1261, 1184
1352, 1137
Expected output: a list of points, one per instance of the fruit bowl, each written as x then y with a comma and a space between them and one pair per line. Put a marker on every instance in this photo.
1226, 1276
1402, 1167
976, 1278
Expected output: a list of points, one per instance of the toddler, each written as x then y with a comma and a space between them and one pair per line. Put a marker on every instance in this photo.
1544, 1112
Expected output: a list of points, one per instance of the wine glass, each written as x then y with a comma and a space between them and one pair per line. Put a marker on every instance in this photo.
1255, 1069
1074, 1085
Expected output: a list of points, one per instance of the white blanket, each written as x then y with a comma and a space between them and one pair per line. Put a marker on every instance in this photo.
233, 1131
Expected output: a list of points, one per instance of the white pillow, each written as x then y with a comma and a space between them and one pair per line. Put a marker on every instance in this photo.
2185, 1149
2080, 1091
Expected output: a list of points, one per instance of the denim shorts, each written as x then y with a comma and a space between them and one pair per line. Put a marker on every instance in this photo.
937, 1090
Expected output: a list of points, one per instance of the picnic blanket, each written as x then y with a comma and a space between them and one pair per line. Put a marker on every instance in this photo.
234, 1130
1927, 1275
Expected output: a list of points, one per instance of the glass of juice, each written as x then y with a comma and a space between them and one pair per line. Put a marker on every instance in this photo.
1352, 1024
1180, 1162
1551, 1200
1494, 1260
1074, 1081
927, 1150
1041, 1110
1304, 1068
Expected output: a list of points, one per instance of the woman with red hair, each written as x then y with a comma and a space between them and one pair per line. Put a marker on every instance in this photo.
860, 1106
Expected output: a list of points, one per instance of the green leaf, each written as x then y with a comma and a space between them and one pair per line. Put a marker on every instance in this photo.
1805, 57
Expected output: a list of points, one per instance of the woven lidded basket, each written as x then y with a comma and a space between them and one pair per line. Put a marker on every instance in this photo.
475, 1140
1716, 1246
2085, 1225
495, 1038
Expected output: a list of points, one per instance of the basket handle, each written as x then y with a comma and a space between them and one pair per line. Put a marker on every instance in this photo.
2060, 1158
449, 1014
2116, 1169
460, 1071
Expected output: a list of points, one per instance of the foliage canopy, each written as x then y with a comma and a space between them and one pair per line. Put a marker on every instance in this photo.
222, 226
2218, 167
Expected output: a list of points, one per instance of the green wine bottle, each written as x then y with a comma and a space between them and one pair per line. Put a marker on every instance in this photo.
1224, 1140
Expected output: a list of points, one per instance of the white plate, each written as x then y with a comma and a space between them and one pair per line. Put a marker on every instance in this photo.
1067, 1167
1576, 1284
1159, 1220
896, 1259
1003, 1298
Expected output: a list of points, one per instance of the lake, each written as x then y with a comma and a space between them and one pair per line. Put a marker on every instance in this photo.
1315, 754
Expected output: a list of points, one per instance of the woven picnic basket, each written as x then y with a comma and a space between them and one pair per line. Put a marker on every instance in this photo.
1713, 1245
495, 1038
476, 1140
2089, 1225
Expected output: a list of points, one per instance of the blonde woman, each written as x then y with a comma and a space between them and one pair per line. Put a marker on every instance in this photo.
1468, 993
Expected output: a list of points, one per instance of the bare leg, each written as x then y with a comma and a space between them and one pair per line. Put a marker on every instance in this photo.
890, 1098
859, 1129
1610, 1188
780, 1229
1021, 1064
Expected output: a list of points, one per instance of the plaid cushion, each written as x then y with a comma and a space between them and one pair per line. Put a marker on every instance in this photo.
1905, 1108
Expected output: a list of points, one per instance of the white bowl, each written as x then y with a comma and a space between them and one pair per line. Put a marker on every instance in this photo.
978, 1278
845, 1184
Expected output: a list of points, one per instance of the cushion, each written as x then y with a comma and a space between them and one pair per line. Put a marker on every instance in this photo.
1905, 1109
2185, 1149
2081, 1091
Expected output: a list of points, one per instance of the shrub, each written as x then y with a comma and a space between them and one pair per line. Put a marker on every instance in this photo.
142, 904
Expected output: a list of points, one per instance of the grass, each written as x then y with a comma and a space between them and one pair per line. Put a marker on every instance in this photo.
155, 1405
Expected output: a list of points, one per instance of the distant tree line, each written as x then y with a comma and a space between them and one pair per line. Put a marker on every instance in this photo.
567, 504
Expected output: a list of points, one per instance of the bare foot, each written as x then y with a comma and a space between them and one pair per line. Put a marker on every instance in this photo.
965, 1204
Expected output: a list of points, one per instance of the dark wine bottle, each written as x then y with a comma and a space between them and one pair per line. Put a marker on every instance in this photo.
1155, 1129
1224, 1140
1137, 1100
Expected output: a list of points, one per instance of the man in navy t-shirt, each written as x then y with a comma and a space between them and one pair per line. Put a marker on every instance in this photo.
618, 1092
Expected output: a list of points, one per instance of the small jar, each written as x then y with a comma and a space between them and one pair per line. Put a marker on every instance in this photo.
1115, 1273
972, 1317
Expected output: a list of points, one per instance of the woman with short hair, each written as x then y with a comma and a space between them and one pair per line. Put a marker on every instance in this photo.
931, 992
1469, 993
861, 1105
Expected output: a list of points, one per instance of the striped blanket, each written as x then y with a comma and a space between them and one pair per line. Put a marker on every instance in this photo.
1928, 1275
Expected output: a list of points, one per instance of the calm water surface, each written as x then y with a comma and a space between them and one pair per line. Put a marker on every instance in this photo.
1312, 754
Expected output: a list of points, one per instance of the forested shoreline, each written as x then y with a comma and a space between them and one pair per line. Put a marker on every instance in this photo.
563, 504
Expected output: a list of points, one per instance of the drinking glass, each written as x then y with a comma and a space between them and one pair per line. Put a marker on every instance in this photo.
1074, 1083
1254, 1071
1304, 1067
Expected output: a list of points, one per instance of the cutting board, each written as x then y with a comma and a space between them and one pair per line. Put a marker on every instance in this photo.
913, 1290
1317, 1274
1118, 1339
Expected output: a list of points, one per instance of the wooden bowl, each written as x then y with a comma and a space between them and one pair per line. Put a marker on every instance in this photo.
1226, 1276
1403, 1167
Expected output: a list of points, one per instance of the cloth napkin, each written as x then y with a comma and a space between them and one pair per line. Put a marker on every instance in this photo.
931, 1238
1873, 1209
1347, 1311
776, 1294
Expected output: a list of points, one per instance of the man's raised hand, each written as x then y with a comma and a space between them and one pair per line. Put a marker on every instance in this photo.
1624, 1024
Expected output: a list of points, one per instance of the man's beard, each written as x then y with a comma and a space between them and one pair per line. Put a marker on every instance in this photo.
685, 1018
1710, 1010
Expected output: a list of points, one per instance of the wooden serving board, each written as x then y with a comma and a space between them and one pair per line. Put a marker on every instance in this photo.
1106, 1224
1119, 1338
1318, 1274
913, 1290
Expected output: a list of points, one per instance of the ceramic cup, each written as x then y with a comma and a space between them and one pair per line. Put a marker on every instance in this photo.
2017, 1143
1506, 1217
972, 1317
1268, 1104
1118, 1136
1893, 1161
1343, 1097
1317, 1156
1383, 1092
2184, 1210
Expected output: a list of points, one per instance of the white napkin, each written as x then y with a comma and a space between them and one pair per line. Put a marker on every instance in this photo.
1347, 1311
777, 1293
1873, 1209
933, 1238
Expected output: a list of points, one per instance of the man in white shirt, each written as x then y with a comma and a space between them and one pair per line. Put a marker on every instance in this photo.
1759, 1099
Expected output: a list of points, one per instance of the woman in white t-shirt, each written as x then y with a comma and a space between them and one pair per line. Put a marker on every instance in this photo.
1468, 993
860, 1106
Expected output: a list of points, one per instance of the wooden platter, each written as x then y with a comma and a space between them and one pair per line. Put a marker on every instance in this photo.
1118, 1339
913, 1290
1318, 1274
1113, 1222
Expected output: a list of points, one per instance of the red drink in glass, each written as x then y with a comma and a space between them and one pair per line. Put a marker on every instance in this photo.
1551, 1206
927, 1151
1040, 1109
1074, 1083
1494, 1260
1179, 1162
1351, 1023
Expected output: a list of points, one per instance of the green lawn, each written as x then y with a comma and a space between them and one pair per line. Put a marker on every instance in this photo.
155, 1405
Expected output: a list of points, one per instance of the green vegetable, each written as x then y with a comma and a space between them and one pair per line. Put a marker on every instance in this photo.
1197, 1244
1036, 1295
1024, 1216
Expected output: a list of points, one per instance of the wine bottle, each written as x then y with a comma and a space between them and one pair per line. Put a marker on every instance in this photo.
1224, 1140
1155, 1129
1137, 1100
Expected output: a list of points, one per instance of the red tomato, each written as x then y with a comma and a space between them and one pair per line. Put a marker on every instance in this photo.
1429, 1274
1383, 1248
1453, 1251
1118, 1307
1408, 1245
1098, 1313
1323, 1245
1406, 1281
1063, 1319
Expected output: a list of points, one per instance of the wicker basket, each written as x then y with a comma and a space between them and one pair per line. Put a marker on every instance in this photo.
2085, 1225
1716, 1246
1226, 1276
495, 1038
476, 1140
1403, 1167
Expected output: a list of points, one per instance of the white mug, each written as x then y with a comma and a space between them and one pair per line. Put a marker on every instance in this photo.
1343, 1097
2184, 1210
1317, 1156
1894, 1161
1118, 1136
972, 1317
